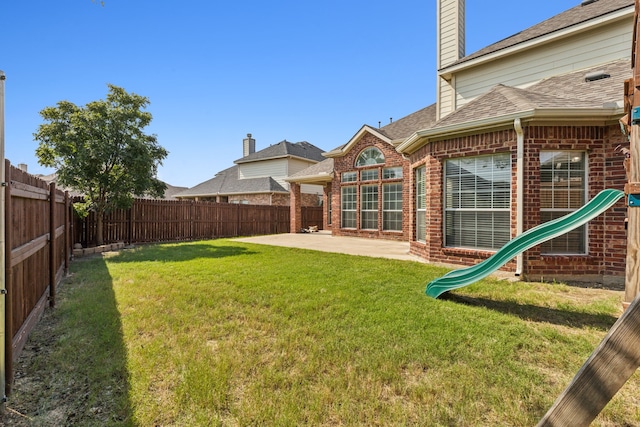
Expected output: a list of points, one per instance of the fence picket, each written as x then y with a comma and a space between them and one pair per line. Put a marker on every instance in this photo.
152, 220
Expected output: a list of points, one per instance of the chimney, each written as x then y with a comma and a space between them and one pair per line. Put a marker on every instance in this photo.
22, 167
248, 146
451, 25
450, 45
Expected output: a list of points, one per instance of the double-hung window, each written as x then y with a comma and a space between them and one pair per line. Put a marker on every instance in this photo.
421, 204
477, 201
562, 191
348, 206
392, 206
369, 207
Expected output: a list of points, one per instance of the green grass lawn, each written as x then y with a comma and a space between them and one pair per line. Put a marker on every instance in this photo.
229, 333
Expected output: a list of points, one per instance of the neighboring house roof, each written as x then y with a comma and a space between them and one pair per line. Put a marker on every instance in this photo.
169, 192
303, 150
569, 19
226, 183
320, 173
558, 98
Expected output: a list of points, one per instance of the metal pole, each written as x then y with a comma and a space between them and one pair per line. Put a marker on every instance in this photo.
3, 288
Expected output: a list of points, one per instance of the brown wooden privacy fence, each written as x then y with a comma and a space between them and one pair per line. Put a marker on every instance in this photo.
150, 221
41, 229
37, 249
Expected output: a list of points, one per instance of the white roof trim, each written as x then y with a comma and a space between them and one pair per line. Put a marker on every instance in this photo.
305, 179
538, 41
339, 152
556, 115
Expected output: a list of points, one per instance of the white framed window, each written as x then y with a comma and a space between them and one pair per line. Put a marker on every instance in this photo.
370, 156
349, 176
348, 207
392, 173
563, 189
477, 201
421, 204
392, 207
369, 207
369, 175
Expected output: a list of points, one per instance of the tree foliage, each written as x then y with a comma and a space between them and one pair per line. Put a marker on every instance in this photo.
102, 151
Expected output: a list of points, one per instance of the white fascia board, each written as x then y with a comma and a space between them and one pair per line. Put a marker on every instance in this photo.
543, 115
347, 147
538, 41
308, 179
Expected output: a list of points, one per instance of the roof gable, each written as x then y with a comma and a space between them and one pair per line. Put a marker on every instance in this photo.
393, 132
303, 150
566, 20
344, 149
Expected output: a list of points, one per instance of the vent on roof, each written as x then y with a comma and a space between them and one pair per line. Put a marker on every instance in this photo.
596, 75
586, 2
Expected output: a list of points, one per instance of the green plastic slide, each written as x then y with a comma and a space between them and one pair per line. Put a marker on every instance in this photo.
543, 232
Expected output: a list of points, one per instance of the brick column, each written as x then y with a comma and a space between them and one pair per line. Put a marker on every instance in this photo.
295, 207
326, 204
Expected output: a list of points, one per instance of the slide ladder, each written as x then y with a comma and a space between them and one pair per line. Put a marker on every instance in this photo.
458, 278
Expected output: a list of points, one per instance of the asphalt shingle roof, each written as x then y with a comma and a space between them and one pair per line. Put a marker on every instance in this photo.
569, 18
285, 148
561, 92
227, 182
421, 119
325, 167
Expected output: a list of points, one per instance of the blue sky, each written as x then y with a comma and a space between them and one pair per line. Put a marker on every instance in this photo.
217, 70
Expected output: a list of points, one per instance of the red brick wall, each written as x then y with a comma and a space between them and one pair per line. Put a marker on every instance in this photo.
276, 199
347, 164
606, 234
326, 203
295, 212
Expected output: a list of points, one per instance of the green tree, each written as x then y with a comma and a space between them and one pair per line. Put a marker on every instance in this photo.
102, 151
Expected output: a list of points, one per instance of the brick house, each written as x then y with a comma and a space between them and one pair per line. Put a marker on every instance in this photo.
259, 177
522, 131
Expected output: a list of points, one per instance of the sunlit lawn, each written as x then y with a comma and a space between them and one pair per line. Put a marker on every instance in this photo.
229, 333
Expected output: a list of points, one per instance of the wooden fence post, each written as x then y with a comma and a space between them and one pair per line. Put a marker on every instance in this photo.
130, 225
8, 278
191, 219
52, 244
67, 233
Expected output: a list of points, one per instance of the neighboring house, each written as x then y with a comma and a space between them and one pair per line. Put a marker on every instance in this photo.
259, 177
169, 192
522, 131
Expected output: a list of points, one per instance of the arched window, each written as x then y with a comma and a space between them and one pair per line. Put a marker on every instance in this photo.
370, 156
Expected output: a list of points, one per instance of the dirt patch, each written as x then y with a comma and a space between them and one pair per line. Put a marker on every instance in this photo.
30, 384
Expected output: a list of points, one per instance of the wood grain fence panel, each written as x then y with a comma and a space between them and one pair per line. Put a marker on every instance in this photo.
152, 220
37, 245
312, 216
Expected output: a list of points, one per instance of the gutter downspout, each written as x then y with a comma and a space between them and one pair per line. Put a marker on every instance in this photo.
517, 125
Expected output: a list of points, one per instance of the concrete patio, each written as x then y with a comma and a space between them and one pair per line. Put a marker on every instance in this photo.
324, 241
